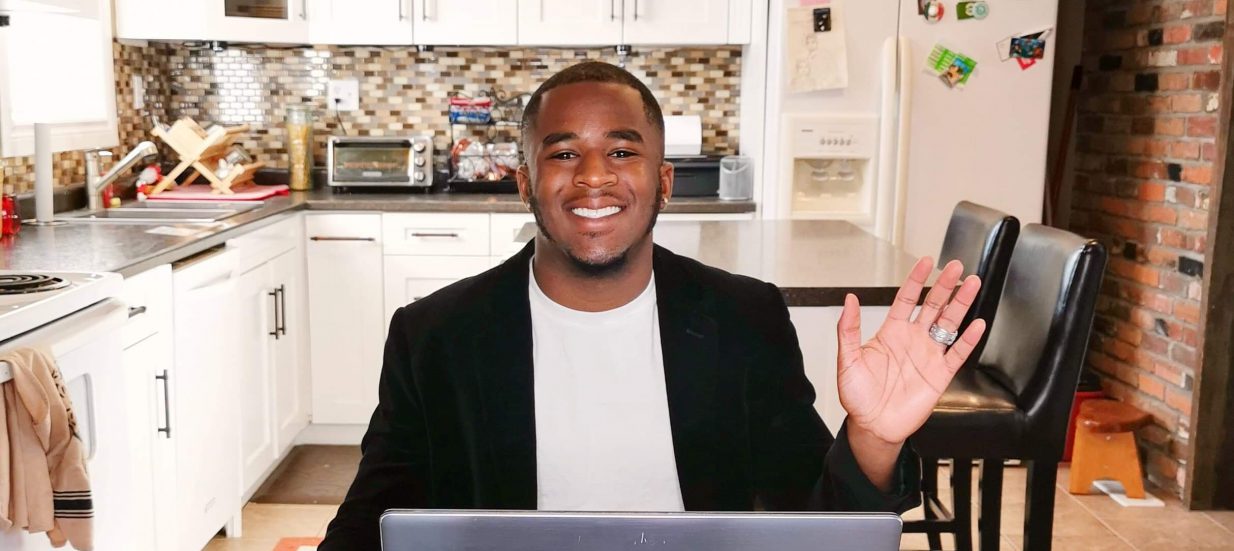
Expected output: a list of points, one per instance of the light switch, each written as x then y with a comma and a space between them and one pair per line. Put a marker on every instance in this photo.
344, 95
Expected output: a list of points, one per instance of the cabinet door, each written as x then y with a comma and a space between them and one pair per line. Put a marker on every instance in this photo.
369, 22
162, 20
259, 20
256, 329
569, 22
290, 360
675, 22
142, 362
411, 278
346, 321
466, 22
204, 416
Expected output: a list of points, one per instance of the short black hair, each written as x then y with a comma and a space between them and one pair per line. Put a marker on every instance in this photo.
591, 71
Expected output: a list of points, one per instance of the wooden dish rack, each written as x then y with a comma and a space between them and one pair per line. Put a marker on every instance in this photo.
200, 150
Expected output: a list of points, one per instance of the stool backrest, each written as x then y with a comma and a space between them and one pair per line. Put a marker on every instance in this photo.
1038, 342
982, 239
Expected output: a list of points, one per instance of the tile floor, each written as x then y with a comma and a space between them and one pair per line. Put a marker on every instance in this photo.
1085, 523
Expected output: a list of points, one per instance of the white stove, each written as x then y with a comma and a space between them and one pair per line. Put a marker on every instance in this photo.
31, 299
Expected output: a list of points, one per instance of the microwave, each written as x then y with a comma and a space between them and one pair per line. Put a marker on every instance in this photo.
380, 161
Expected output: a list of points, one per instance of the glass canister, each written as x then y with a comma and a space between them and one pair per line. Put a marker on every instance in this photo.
299, 125
736, 178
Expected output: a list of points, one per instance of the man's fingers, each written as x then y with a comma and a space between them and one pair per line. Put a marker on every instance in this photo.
959, 305
937, 298
906, 298
848, 331
964, 346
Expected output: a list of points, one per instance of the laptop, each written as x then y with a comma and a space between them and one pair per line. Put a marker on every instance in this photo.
410, 530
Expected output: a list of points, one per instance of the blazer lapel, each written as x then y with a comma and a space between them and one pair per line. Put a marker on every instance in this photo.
506, 380
689, 343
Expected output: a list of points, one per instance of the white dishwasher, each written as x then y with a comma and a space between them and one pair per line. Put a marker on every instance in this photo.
75, 317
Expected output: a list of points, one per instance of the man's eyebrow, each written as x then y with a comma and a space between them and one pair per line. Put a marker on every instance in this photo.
556, 137
627, 134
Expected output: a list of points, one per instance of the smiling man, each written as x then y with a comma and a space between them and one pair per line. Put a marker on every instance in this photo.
595, 371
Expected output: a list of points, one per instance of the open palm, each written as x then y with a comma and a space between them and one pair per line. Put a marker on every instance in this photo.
890, 384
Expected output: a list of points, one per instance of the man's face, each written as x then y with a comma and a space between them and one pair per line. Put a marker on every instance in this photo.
595, 174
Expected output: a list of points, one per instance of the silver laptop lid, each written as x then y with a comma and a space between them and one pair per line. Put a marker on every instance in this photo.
406, 530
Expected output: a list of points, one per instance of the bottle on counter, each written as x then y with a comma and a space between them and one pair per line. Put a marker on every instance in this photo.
299, 125
10, 223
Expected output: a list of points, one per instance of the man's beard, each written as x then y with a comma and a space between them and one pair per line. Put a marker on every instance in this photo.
603, 268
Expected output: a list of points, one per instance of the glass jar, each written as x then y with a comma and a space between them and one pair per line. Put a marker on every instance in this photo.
299, 124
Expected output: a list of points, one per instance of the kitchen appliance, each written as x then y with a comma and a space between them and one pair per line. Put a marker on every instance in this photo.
927, 114
380, 162
76, 318
696, 176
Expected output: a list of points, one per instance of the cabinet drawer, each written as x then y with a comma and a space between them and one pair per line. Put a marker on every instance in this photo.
505, 227
261, 245
410, 278
343, 228
148, 296
436, 234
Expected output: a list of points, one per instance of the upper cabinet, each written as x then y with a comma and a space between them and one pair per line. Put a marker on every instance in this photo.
466, 22
675, 22
440, 22
570, 22
370, 22
77, 97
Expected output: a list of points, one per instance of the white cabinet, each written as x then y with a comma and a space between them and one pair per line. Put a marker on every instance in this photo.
346, 315
454, 234
77, 98
569, 22
504, 228
465, 22
368, 22
675, 22
270, 338
411, 278
203, 385
163, 20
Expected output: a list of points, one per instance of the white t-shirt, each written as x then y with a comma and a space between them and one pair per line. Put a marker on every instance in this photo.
603, 437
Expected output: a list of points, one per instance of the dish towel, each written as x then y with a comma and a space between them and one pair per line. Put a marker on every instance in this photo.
44, 486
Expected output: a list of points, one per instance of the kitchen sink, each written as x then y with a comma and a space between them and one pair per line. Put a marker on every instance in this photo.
187, 212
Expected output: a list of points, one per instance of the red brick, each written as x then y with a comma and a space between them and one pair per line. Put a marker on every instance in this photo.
1198, 174
1118, 350
1202, 127
1193, 219
1171, 237
1168, 372
1135, 272
1188, 336
1148, 170
1197, 243
1186, 103
1182, 196
1186, 356
1151, 386
1193, 56
1177, 34
1162, 465
1158, 256
1172, 126
1180, 400
1206, 80
1154, 344
1185, 150
1219, 7
1173, 81
1174, 283
1187, 311
1155, 213
1208, 151
1151, 191
1128, 333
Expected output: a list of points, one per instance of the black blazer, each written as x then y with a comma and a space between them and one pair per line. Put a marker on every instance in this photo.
455, 426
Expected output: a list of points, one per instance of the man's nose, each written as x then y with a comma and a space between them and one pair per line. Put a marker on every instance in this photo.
594, 171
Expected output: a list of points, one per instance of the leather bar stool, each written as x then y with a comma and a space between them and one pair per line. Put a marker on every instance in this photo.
982, 239
1016, 402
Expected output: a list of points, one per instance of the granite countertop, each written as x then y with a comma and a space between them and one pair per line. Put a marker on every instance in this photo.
813, 262
130, 249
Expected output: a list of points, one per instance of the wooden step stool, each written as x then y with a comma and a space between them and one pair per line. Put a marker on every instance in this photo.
1105, 447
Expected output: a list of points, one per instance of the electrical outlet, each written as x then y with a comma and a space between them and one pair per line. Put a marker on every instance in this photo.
344, 95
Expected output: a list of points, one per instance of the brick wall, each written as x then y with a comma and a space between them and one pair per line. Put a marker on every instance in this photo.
1145, 143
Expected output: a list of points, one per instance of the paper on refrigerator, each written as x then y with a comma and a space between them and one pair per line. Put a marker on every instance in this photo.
815, 60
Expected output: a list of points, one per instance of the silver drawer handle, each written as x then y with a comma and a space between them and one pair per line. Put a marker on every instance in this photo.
135, 311
432, 234
326, 238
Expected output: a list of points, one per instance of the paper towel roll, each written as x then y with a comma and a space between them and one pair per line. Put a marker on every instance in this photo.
43, 200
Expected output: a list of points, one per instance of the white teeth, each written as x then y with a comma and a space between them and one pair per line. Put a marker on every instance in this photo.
596, 213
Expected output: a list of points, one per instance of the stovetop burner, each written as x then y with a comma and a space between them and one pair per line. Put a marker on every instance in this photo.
21, 284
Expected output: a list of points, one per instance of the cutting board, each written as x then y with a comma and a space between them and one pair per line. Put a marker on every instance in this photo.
203, 192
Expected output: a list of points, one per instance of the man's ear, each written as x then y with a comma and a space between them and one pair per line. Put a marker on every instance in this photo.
666, 181
522, 176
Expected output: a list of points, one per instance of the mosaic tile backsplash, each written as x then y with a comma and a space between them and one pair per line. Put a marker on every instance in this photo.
402, 91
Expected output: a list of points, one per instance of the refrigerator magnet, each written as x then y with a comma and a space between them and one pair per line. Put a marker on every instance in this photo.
822, 20
952, 67
972, 10
933, 11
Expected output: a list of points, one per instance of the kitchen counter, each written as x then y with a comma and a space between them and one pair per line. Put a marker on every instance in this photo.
813, 262
133, 248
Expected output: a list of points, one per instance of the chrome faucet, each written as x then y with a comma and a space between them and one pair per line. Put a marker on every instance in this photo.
95, 183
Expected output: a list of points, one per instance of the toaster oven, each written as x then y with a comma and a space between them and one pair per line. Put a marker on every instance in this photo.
380, 161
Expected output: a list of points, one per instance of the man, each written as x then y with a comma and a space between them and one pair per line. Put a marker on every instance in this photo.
596, 371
